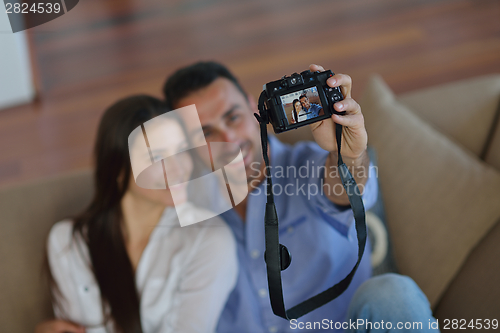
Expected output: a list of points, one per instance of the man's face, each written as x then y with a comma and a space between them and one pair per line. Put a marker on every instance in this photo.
305, 103
226, 115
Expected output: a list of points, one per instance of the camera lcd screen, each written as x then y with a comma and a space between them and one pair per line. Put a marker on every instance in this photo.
302, 105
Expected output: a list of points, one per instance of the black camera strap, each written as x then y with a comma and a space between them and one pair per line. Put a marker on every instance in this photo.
277, 256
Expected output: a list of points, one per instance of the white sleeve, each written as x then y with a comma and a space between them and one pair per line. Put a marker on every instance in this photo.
66, 305
208, 278
66, 264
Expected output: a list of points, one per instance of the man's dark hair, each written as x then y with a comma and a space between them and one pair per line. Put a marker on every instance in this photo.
194, 77
302, 96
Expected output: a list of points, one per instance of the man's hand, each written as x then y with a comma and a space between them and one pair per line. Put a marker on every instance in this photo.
354, 137
58, 326
354, 140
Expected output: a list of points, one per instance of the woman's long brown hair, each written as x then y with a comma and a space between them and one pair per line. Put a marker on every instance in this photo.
101, 224
295, 114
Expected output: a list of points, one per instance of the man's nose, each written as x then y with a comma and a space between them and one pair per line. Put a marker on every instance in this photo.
174, 169
229, 136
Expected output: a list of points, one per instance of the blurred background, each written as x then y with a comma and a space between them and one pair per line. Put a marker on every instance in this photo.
100, 51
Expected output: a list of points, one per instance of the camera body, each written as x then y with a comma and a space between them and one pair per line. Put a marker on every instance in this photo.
315, 99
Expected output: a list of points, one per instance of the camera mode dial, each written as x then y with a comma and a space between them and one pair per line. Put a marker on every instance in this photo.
334, 95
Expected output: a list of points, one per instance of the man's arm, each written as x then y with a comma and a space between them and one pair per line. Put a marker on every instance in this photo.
333, 188
353, 145
321, 111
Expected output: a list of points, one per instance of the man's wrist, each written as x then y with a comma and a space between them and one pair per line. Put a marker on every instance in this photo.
357, 161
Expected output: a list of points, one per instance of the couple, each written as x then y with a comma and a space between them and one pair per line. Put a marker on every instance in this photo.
303, 109
125, 264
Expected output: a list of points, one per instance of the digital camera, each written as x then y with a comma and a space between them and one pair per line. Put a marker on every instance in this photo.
300, 99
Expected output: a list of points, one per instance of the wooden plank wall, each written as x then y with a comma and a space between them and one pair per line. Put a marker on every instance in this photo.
103, 50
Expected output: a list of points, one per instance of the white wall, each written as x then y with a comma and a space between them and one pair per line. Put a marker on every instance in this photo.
16, 80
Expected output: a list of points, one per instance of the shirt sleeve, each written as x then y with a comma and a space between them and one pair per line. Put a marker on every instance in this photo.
66, 305
339, 217
208, 277
64, 262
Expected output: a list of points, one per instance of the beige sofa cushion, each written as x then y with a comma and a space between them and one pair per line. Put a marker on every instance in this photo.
493, 155
27, 214
440, 200
475, 292
463, 110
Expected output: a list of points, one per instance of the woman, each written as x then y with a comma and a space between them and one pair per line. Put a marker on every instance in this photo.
125, 264
298, 112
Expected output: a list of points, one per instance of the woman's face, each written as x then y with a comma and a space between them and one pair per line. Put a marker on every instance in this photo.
298, 106
167, 141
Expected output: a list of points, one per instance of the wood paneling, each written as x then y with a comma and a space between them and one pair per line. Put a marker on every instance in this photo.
103, 50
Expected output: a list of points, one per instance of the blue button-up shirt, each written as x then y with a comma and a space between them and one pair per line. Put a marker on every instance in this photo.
320, 237
313, 111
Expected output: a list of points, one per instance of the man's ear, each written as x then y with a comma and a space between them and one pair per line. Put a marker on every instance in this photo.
252, 103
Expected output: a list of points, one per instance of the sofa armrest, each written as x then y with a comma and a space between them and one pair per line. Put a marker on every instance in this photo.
474, 293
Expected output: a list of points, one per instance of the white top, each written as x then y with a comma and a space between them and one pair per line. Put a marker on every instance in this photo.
184, 276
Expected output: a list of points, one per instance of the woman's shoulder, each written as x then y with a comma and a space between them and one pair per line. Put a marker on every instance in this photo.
217, 228
190, 214
61, 236
61, 231
211, 246
218, 238
210, 229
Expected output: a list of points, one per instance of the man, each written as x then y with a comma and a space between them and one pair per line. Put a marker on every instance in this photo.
316, 226
312, 110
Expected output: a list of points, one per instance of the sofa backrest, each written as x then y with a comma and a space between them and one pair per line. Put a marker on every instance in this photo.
464, 110
27, 213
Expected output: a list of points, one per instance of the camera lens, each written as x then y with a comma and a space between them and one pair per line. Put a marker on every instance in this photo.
293, 81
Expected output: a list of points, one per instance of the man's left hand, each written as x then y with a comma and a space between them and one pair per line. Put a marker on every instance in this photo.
354, 137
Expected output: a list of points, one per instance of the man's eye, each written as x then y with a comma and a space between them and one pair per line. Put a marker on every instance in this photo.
207, 133
234, 118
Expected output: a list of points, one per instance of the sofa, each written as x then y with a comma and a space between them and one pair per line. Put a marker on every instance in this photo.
438, 153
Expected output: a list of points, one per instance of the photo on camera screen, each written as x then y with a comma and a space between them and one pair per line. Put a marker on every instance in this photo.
302, 105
